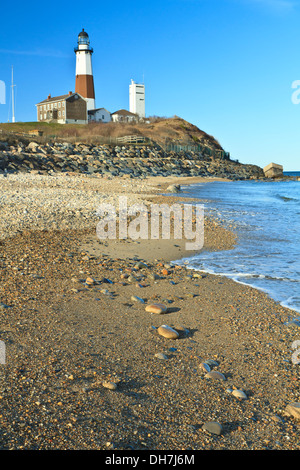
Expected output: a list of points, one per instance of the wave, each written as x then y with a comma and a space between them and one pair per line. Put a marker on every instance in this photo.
291, 303
286, 198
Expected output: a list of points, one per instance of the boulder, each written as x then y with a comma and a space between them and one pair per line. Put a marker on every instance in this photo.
273, 170
174, 188
32, 146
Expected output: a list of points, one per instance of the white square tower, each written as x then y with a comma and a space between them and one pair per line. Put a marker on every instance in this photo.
137, 98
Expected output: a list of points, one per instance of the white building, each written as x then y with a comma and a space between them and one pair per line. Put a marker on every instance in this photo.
99, 115
124, 116
137, 99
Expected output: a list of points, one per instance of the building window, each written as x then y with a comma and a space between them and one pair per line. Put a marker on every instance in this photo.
59, 104
45, 116
63, 113
55, 105
44, 107
63, 104
41, 117
58, 113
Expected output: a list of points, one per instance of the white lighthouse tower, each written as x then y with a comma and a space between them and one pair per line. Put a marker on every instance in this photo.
84, 84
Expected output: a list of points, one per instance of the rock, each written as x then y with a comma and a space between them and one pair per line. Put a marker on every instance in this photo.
90, 281
156, 308
124, 275
213, 427
276, 419
3, 306
205, 367
165, 272
167, 332
174, 188
273, 170
153, 276
140, 265
135, 298
161, 356
198, 276
110, 385
212, 363
293, 409
32, 146
105, 291
214, 374
239, 394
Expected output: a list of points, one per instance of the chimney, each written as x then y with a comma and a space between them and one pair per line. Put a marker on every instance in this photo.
49, 97
70, 93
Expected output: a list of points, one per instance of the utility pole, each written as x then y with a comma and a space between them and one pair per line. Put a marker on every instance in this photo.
12, 95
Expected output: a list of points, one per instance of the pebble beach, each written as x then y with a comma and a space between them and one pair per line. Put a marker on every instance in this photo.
110, 345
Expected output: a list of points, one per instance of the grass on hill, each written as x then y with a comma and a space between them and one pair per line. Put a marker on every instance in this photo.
159, 130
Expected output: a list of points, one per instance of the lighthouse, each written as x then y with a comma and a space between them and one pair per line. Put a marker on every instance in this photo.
84, 84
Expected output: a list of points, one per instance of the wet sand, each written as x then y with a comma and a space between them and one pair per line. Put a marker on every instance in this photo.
67, 337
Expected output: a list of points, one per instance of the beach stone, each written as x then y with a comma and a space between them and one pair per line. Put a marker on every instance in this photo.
140, 265
293, 409
174, 188
105, 291
198, 276
135, 298
213, 427
214, 374
161, 356
212, 363
167, 332
109, 385
90, 281
156, 308
124, 275
153, 276
205, 367
239, 394
32, 146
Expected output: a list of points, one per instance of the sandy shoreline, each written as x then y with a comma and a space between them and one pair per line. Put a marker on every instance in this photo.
65, 337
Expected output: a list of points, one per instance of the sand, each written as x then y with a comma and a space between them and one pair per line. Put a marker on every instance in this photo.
65, 337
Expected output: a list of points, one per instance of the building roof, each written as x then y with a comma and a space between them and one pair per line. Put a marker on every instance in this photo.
124, 112
83, 34
58, 98
93, 111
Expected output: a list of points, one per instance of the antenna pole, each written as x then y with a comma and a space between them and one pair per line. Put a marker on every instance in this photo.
12, 95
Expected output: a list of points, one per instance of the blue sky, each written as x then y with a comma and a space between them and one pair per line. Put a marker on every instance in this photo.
227, 66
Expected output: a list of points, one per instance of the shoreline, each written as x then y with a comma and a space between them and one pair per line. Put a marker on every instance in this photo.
270, 292
65, 337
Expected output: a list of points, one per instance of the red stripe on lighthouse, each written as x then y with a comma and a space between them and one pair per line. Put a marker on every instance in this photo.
84, 85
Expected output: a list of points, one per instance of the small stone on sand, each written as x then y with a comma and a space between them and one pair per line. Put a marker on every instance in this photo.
156, 308
212, 427
167, 332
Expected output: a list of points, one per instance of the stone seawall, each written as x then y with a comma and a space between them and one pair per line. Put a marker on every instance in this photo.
113, 161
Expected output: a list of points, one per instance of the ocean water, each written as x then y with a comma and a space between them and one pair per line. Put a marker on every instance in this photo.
266, 219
